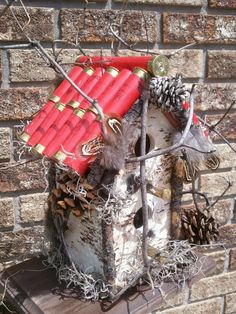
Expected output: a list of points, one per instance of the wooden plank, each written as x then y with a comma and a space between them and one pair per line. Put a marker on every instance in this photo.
35, 290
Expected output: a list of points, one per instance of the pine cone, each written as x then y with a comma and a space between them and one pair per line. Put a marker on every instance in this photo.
73, 194
199, 227
167, 93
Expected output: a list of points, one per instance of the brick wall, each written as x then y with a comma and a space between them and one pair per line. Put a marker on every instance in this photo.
24, 86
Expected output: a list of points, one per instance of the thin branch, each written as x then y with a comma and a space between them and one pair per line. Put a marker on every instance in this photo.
64, 42
222, 118
39, 48
13, 165
197, 150
130, 47
93, 102
222, 194
218, 133
197, 42
19, 24
198, 193
144, 183
6, 8
169, 149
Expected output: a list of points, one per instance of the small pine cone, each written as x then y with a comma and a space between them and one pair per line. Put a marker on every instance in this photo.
199, 228
167, 93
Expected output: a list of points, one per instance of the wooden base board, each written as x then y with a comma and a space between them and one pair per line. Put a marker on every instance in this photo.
33, 289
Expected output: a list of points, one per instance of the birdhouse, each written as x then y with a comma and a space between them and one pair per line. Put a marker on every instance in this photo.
107, 239
96, 206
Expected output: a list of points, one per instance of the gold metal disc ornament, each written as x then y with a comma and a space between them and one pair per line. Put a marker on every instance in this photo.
159, 65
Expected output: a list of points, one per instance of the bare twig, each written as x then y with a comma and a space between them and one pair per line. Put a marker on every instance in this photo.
218, 133
169, 149
130, 47
198, 193
66, 43
93, 102
198, 150
222, 118
144, 183
222, 194
13, 165
19, 24
6, 8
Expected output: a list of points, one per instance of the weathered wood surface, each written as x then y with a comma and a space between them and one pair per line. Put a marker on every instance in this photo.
35, 290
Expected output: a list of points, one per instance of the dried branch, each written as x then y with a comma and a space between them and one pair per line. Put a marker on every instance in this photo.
144, 183
6, 7
19, 24
128, 46
44, 53
64, 42
218, 133
222, 194
198, 193
169, 149
17, 164
222, 118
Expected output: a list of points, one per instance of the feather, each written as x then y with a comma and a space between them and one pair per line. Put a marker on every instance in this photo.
196, 139
116, 141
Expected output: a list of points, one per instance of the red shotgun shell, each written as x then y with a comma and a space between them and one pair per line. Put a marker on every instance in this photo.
82, 127
156, 65
67, 111
119, 105
78, 113
59, 107
58, 93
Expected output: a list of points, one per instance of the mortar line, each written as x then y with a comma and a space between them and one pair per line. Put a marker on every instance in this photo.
5, 70
16, 203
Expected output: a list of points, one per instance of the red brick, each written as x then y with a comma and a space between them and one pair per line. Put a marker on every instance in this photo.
40, 27
214, 184
187, 28
214, 96
231, 4
33, 207
5, 144
93, 25
21, 103
213, 286
219, 259
6, 212
222, 211
23, 177
228, 235
28, 66
230, 304
22, 243
221, 64
19, 150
